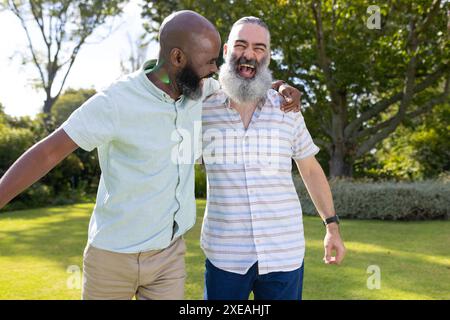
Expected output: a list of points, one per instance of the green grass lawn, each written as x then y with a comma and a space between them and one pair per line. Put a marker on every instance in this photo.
37, 248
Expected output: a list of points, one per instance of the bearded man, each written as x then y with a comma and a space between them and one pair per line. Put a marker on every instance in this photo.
252, 232
145, 199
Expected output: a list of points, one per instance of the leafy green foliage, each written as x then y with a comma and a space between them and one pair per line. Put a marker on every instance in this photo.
200, 181
415, 151
359, 84
68, 102
74, 179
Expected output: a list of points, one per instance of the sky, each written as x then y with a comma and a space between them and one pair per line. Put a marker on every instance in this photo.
97, 64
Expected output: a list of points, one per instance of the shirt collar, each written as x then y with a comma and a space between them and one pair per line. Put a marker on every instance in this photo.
227, 101
146, 68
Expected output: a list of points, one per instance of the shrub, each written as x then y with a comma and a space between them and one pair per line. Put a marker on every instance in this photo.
388, 200
12, 144
200, 181
42, 195
74, 179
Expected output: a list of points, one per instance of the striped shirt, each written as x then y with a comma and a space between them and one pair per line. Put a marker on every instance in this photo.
253, 212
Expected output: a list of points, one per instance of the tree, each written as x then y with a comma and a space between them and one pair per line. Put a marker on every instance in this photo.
82, 167
359, 83
2, 113
70, 100
63, 27
418, 149
137, 54
74, 177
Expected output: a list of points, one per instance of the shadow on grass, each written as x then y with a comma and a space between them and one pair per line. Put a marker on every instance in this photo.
400, 277
58, 234
32, 214
413, 259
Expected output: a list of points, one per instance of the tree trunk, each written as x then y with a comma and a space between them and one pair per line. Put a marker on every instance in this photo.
48, 104
340, 166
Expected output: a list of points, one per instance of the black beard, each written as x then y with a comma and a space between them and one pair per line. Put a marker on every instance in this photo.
189, 83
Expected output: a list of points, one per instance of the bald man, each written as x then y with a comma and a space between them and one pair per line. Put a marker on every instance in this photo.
141, 126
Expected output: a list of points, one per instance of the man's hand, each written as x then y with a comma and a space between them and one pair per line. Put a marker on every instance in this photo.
318, 188
333, 242
290, 95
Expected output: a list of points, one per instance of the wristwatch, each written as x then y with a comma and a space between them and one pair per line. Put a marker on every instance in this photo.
329, 220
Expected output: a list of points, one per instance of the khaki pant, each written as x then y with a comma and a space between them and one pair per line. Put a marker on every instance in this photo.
151, 275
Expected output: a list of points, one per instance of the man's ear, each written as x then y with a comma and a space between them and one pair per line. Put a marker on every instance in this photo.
225, 50
178, 58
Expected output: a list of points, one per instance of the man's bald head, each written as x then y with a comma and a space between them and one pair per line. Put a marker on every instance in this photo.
189, 49
183, 30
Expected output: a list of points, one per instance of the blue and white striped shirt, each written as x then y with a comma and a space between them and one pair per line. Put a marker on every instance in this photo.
253, 212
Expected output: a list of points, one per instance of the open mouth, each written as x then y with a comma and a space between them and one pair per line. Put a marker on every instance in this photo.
246, 70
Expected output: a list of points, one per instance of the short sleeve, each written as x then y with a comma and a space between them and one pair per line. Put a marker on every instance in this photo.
210, 86
92, 124
303, 145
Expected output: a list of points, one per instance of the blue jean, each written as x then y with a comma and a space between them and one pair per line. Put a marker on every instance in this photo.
224, 285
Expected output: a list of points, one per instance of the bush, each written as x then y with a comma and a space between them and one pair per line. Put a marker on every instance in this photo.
41, 195
74, 179
385, 200
38, 195
12, 144
67, 183
200, 181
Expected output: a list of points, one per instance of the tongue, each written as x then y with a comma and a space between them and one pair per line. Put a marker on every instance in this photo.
246, 72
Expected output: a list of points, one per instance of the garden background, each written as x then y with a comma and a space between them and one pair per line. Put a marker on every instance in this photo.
375, 77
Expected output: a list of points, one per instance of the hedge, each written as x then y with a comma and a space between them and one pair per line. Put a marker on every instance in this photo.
429, 199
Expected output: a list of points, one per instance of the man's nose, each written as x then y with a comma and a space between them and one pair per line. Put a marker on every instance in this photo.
249, 54
214, 68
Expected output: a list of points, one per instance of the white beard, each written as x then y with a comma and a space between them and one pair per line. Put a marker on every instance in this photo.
245, 90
